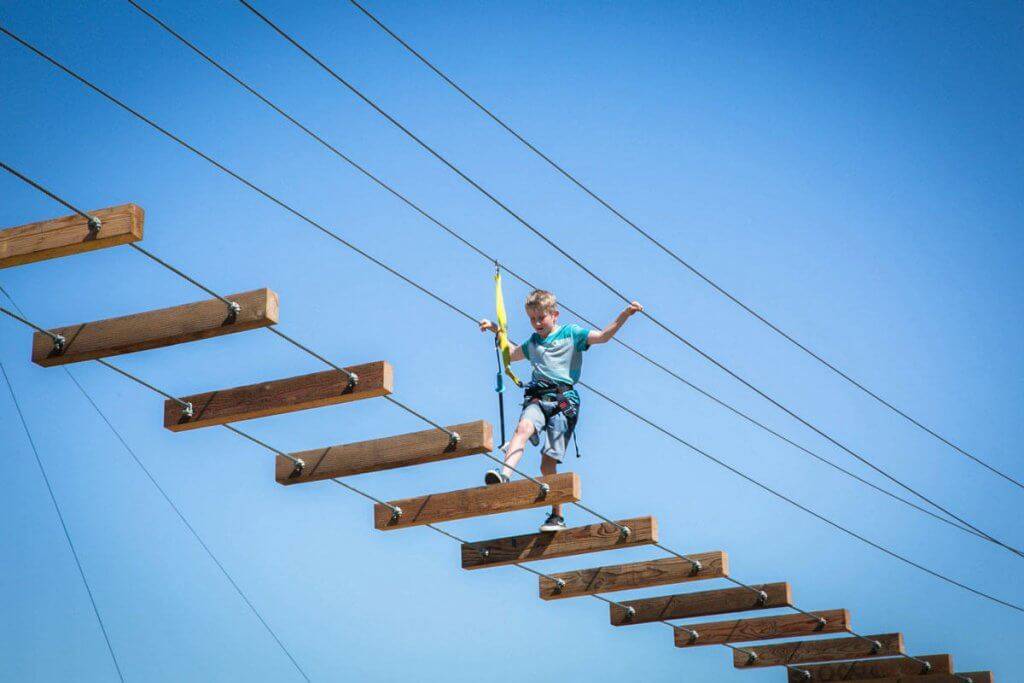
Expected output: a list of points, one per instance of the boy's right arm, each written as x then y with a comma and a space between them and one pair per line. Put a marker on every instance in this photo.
517, 350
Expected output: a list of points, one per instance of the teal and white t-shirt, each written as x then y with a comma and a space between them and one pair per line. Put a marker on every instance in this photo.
559, 356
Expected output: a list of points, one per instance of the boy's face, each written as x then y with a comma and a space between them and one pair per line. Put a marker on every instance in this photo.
543, 321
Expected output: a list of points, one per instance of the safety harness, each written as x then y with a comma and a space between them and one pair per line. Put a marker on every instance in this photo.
541, 390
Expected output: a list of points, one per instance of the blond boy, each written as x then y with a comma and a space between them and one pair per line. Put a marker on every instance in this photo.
551, 404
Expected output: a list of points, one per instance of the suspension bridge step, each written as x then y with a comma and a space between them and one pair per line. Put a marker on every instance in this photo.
279, 396
974, 676
417, 448
70, 235
575, 541
763, 628
155, 329
621, 577
869, 670
522, 494
702, 604
829, 650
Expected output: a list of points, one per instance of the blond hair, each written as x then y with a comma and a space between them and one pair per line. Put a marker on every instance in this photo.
542, 301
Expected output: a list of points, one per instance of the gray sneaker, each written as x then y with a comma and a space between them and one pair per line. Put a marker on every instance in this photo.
553, 523
495, 477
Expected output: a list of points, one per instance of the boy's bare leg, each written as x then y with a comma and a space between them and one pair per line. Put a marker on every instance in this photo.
517, 445
550, 466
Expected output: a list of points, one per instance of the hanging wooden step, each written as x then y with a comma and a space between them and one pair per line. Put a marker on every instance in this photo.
702, 604
868, 670
279, 396
832, 649
763, 628
155, 329
70, 235
575, 541
417, 448
974, 676
644, 574
522, 494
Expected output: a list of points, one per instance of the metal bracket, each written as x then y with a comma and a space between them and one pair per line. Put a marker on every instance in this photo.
297, 466
94, 224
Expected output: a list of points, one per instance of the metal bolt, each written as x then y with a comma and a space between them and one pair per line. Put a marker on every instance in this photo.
559, 584
58, 343
630, 613
453, 439
544, 490
396, 513
94, 224
762, 598
625, 532
235, 308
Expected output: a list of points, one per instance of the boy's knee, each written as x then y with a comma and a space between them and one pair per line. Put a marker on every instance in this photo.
524, 428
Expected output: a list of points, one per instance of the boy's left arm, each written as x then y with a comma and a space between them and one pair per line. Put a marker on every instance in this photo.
605, 335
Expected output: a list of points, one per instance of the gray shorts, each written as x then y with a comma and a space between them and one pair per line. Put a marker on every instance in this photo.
555, 428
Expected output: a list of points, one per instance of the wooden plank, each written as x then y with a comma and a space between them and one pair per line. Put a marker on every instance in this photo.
404, 450
70, 235
975, 676
621, 577
155, 329
763, 628
865, 670
702, 604
522, 494
279, 396
832, 649
575, 541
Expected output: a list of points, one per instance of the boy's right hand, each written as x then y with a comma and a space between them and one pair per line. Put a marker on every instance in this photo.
487, 326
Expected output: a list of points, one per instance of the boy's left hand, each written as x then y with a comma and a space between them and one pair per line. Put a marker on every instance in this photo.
634, 307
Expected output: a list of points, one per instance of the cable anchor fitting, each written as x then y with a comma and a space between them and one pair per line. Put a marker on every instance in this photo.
297, 466
694, 635
630, 613
59, 342
353, 380
751, 657
187, 410
926, 667
234, 308
94, 224
822, 622
545, 489
876, 647
762, 598
453, 440
805, 675
697, 566
624, 532
559, 585
396, 513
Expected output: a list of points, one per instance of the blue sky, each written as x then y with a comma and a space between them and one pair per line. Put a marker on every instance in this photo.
853, 171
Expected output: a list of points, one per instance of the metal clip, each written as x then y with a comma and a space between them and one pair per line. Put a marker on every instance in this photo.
94, 224
297, 466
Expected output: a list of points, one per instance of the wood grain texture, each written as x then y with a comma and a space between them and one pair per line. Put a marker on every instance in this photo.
871, 669
621, 577
522, 494
417, 448
975, 676
70, 235
702, 604
763, 628
279, 396
575, 541
805, 651
155, 329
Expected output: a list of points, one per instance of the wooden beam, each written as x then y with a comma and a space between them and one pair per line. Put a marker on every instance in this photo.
702, 604
70, 235
621, 577
575, 541
404, 450
975, 676
522, 494
829, 650
279, 396
866, 670
155, 329
763, 628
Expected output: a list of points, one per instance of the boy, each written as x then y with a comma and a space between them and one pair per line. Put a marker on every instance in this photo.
550, 404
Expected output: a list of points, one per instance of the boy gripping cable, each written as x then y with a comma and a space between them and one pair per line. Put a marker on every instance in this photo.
550, 404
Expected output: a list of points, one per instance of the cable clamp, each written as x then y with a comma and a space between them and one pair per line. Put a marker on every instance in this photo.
396, 513
697, 566
559, 585
630, 613
188, 411
453, 440
926, 667
297, 466
94, 224
762, 598
545, 489
624, 532
751, 657
484, 552
822, 622
694, 635
59, 342
876, 647
805, 675
234, 308
353, 380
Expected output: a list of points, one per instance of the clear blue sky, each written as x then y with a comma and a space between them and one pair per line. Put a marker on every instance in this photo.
853, 170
